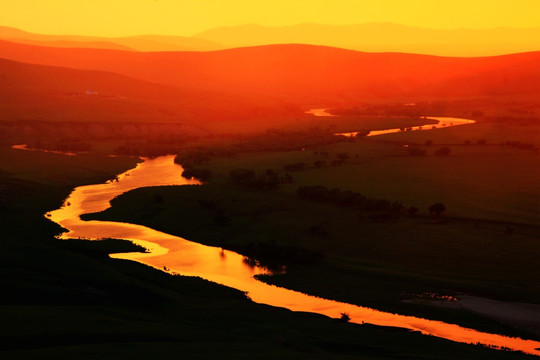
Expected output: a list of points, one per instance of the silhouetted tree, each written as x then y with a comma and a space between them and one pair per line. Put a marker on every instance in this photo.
362, 133
242, 176
201, 174
416, 152
294, 167
397, 207
437, 209
413, 210
444, 151
345, 317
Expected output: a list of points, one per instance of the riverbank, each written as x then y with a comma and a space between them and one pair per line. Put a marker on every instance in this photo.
517, 315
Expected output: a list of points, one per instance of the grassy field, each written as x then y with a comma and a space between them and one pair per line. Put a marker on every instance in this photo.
68, 299
485, 244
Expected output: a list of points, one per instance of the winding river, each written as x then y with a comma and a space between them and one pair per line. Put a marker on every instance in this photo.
443, 122
179, 255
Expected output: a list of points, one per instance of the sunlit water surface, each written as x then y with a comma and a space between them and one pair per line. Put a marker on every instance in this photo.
443, 122
319, 112
178, 255
26, 147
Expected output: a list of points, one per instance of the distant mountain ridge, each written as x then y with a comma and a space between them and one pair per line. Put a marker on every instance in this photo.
134, 43
384, 37
369, 37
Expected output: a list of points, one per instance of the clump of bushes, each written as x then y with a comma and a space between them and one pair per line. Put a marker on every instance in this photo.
416, 152
201, 174
444, 151
265, 181
343, 198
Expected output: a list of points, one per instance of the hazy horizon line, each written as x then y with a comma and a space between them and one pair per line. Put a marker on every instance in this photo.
194, 35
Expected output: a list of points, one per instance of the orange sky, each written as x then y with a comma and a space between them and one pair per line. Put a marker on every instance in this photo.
181, 17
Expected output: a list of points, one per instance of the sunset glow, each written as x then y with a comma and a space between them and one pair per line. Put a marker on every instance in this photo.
240, 178
172, 17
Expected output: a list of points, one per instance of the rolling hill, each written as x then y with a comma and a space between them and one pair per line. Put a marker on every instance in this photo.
31, 93
304, 75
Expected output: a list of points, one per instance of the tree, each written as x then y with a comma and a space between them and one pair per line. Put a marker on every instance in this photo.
362, 133
417, 152
201, 174
413, 210
294, 167
437, 209
242, 176
397, 207
444, 151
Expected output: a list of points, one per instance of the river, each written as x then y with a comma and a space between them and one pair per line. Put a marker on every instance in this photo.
178, 255
443, 122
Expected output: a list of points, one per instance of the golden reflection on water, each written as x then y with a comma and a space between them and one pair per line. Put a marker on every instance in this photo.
178, 255
320, 112
442, 123
26, 147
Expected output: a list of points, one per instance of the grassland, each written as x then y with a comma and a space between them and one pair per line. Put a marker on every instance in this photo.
486, 243
68, 299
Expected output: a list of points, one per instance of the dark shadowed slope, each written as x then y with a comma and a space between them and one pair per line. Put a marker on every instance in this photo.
36, 92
